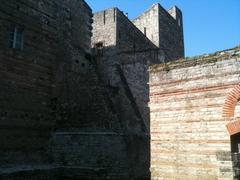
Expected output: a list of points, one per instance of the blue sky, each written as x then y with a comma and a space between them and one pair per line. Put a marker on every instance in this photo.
209, 25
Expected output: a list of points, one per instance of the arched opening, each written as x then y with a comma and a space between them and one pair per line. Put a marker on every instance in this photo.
231, 110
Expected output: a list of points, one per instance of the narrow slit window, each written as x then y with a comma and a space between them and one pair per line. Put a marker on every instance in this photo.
104, 17
16, 38
145, 31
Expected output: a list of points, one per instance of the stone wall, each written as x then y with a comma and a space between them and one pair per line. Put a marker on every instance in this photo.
135, 52
130, 38
171, 34
129, 49
26, 78
122, 63
79, 98
100, 154
58, 118
49, 85
164, 29
148, 23
189, 139
104, 27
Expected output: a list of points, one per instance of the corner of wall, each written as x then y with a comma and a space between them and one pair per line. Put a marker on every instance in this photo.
176, 13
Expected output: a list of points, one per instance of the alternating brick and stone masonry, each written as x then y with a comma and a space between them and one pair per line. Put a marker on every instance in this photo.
191, 102
75, 88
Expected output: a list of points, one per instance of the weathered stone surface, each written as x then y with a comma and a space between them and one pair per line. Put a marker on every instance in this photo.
164, 29
26, 81
188, 135
53, 85
65, 114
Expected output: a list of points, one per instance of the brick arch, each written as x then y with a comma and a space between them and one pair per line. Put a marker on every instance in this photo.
231, 102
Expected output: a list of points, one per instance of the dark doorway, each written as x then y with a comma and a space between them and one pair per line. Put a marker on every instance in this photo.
235, 146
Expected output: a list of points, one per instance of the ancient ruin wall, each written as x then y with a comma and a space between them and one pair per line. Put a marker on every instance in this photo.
130, 49
26, 78
122, 65
164, 29
51, 83
78, 95
51, 87
189, 139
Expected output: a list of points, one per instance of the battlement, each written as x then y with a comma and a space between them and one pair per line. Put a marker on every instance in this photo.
106, 16
112, 27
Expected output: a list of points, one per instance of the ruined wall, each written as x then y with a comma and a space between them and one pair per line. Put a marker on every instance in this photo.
135, 52
164, 29
130, 48
79, 97
52, 87
26, 78
51, 83
189, 139
93, 155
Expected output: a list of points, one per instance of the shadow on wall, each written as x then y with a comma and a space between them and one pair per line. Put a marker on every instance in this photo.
107, 139
102, 118
125, 77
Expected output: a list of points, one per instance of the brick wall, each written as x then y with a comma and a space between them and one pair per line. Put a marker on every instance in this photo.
189, 139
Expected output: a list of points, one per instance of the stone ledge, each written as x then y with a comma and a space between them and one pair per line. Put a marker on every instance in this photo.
56, 172
197, 60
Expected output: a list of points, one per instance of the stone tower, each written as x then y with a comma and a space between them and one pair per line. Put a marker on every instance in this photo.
164, 29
